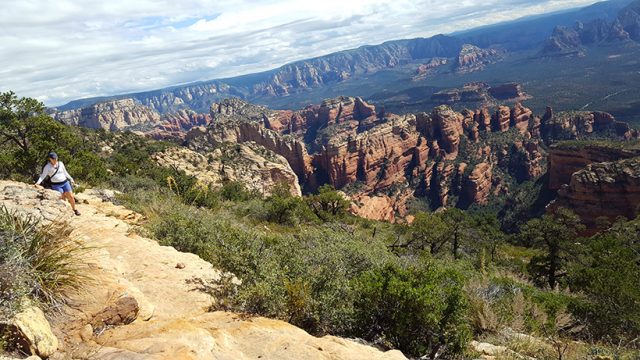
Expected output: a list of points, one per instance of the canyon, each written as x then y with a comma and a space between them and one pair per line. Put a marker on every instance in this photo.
384, 162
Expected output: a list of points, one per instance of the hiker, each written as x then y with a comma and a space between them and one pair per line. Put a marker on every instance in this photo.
55, 174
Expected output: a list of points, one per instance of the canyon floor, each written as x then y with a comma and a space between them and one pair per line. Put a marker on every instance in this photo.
172, 317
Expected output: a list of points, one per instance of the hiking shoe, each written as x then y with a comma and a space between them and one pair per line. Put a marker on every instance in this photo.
76, 212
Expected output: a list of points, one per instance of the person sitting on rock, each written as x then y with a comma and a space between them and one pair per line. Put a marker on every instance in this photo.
56, 174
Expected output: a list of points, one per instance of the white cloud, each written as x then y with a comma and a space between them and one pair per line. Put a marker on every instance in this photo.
66, 49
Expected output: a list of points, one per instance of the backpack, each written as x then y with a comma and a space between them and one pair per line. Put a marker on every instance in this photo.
46, 183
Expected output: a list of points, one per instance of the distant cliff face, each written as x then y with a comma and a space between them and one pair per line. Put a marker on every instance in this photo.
343, 65
565, 41
110, 115
304, 75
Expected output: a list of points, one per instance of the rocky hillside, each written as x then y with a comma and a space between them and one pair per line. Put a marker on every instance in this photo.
481, 93
146, 301
472, 58
571, 41
258, 168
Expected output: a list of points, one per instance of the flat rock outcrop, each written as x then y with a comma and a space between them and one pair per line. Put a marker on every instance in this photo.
29, 332
508, 91
173, 321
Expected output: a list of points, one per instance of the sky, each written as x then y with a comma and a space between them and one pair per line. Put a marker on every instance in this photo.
61, 50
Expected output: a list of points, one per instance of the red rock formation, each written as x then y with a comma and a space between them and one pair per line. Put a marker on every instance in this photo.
521, 116
393, 158
534, 160
608, 189
373, 207
378, 157
332, 111
178, 123
447, 129
566, 159
470, 126
483, 118
501, 120
430, 67
477, 187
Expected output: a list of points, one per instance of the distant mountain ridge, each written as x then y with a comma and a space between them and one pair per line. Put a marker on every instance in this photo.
570, 41
296, 76
308, 75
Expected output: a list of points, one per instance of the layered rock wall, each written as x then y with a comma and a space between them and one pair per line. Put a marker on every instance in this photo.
111, 115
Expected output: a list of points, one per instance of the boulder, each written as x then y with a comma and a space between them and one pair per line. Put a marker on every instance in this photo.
30, 333
124, 311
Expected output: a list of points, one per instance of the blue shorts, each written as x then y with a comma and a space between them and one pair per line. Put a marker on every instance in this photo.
62, 188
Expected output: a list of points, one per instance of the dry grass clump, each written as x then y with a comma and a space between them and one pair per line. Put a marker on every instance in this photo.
37, 261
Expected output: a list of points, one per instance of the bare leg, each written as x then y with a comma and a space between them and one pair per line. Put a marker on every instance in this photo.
71, 200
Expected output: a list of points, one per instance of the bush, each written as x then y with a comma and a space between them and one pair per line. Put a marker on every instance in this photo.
286, 209
236, 191
608, 275
506, 302
36, 261
420, 310
304, 278
328, 203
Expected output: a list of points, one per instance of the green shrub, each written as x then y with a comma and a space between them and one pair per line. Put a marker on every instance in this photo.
286, 209
236, 191
507, 302
328, 203
608, 275
420, 310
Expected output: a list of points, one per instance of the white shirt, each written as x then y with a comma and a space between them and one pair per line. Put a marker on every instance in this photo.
61, 176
